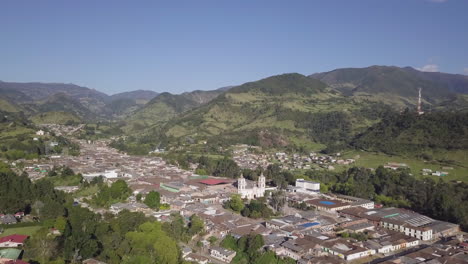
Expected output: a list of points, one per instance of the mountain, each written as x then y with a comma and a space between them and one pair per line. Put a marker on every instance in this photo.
166, 106
50, 93
395, 85
321, 111
140, 96
284, 110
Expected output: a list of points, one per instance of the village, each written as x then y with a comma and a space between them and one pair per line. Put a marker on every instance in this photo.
311, 227
252, 157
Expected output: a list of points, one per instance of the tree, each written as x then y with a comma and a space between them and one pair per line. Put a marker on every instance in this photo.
196, 225
277, 200
236, 203
41, 246
138, 197
153, 200
60, 223
120, 190
212, 239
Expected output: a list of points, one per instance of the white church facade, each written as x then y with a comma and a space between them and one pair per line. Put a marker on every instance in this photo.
250, 189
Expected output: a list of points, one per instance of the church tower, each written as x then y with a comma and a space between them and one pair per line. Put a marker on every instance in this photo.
241, 184
261, 181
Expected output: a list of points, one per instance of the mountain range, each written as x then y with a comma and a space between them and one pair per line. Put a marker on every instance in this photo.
279, 110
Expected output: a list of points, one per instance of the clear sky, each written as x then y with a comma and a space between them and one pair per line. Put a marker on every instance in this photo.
176, 46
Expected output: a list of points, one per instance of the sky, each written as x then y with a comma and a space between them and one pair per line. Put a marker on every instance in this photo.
177, 46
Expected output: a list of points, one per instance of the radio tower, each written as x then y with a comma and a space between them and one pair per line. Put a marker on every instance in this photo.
420, 112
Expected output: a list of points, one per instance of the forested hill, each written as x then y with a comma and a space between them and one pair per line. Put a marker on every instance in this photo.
395, 85
408, 133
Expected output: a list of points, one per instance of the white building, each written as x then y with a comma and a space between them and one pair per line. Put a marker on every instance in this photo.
40, 132
251, 189
222, 254
307, 186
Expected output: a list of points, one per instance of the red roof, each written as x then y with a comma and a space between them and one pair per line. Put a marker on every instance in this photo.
13, 238
18, 261
213, 181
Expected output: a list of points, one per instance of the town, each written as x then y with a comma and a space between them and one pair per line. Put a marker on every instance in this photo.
304, 225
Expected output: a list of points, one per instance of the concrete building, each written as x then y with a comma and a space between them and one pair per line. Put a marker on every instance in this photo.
307, 186
222, 254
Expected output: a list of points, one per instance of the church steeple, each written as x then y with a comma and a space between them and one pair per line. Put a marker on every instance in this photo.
261, 181
241, 184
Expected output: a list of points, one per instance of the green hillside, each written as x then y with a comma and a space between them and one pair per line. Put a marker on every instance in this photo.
279, 111
55, 117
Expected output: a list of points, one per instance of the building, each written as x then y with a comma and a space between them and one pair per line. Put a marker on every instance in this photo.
307, 186
196, 258
346, 250
249, 189
328, 204
222, 254
8, 219
12, 241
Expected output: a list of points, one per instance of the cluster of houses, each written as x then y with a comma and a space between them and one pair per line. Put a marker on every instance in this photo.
251, 157
11, 249
326, 234
10, 219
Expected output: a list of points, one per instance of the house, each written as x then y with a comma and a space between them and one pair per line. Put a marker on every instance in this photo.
9, 219
10, 255
12, 240
40, 132
346, 250
222, 254
92, 261
196, 258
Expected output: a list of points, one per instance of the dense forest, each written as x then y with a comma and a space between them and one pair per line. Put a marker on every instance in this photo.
409, 133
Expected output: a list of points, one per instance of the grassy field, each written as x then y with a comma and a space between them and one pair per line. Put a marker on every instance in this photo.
91, 190
459, 163
27, 230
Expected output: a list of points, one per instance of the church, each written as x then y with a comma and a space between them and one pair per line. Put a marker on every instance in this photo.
250, 189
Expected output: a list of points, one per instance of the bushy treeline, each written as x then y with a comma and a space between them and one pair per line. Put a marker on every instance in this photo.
409, 133
447, 201
225, 167
18, 193
108, 195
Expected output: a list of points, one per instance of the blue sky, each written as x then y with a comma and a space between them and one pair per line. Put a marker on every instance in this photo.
178, 46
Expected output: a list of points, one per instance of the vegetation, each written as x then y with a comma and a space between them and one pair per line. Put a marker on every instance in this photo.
438, 199
249, 249
411, 133
182, 230
117, 192
64, 176
153, 200
222, 168
257, 208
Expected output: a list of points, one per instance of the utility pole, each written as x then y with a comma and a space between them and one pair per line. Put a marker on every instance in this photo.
420, 112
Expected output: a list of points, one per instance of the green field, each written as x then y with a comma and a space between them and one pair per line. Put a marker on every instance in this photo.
456, 159
27, 230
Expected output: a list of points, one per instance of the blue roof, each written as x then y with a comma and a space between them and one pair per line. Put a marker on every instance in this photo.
310, 224
327, 202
